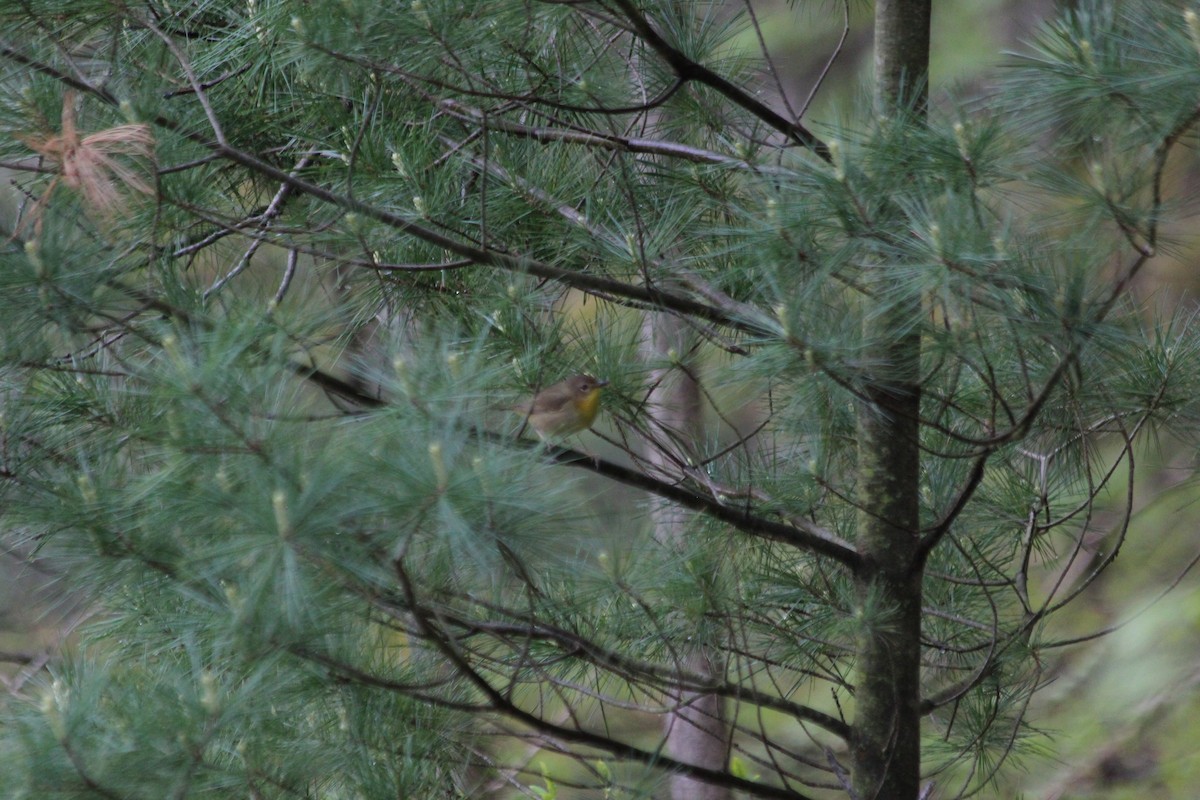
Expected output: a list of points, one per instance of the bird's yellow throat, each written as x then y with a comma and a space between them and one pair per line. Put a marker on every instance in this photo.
588, 405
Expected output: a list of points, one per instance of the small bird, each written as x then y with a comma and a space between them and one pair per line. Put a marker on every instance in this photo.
564, 408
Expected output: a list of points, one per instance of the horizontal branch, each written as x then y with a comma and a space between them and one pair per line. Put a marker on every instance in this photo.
598, 139
800, 533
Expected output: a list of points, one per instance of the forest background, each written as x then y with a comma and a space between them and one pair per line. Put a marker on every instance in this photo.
1114, 717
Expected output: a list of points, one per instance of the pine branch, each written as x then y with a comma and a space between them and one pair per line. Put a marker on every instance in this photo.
689, 70
644, 296
633, 670
803, 534
428, 628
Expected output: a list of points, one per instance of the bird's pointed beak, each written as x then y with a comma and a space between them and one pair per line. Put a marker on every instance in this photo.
601, 383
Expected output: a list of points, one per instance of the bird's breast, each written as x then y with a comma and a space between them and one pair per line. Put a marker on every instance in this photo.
588, 405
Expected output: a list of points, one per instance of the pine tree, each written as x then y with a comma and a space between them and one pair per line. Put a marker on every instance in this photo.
280, 271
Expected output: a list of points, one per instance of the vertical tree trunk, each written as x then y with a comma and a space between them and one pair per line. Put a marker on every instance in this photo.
886, 748
901, 54
696, 730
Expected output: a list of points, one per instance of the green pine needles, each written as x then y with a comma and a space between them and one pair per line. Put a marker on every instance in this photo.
274, 274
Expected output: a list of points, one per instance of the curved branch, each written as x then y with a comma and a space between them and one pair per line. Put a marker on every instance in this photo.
607, 658
501, 704
935, 534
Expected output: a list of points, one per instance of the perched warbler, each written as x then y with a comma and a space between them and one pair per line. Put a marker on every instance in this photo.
567, 407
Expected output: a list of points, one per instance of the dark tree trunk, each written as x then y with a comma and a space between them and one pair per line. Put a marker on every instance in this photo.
886, 750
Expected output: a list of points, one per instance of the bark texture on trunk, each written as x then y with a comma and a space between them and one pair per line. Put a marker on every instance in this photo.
886, 745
